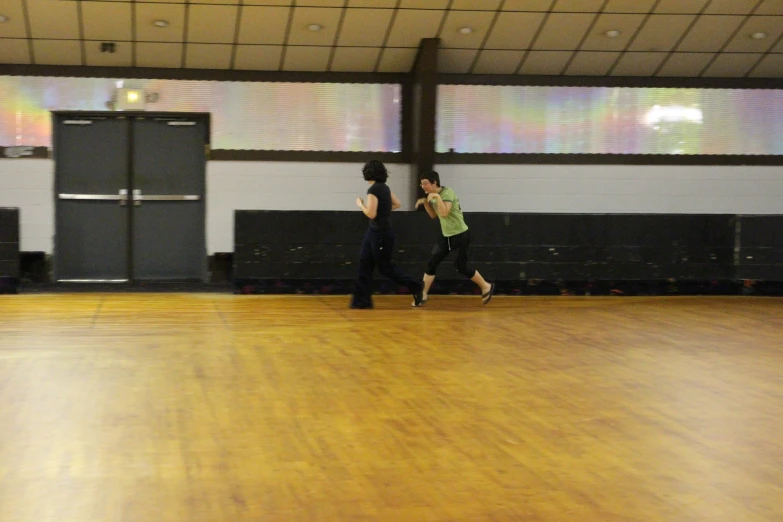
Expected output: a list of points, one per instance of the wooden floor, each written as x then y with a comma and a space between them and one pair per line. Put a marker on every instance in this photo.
224, 408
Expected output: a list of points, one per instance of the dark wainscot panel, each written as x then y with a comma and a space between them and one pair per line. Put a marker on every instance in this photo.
549, 254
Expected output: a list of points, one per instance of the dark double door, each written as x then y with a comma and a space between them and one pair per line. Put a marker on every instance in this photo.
129, 196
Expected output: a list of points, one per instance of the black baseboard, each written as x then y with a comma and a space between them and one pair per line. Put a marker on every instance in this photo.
221, 267
34, 267
521, 288
345, 287
35, 278
9, 285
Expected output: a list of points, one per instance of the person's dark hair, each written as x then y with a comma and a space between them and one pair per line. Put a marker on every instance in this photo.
375, 170
431, 176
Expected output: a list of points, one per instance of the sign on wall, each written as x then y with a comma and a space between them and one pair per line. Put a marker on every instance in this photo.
23, 151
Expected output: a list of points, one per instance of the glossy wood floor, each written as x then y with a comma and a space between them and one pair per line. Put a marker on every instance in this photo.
223, 408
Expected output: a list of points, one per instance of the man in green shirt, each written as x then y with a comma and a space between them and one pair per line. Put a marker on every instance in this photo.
442, 203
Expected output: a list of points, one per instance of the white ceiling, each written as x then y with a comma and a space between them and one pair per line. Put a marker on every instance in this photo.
657, 38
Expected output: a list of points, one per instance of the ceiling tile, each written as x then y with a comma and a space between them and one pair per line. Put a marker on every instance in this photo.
258, 57
710, 33
661, 32
263, 25
208, 56
53, 19
563, 31
730, 7
732, 65
450, 36
514, 30
592, 63
306, 58
742, 41
365, 27
627, 24
498, 62
578, 6
304, 16
685, 64
283, 3
545, 62
15, 51
372, 3
212, 23
680, 6
108, 21
639, 64
397, 60
455, 60
629, 6
57, 52
770, 67
165, 55
320, 3
473, 5
14, 27
122, 57
365, 24
355, 59
410, 27
146, 14
528, 5
423, 4
770, 7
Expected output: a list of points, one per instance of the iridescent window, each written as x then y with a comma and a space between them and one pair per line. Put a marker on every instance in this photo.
334, 117
609, 120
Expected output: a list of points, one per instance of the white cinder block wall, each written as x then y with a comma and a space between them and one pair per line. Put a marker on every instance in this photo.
28, 184
616, 189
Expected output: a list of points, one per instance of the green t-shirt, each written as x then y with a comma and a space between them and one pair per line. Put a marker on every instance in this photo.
454, 222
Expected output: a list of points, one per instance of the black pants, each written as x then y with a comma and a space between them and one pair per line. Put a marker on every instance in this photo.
377, 249
460, 243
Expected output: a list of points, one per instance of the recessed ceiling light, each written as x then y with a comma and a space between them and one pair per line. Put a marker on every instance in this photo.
465, 30
614, 33
758, 36
160, 23
315, 27
3, 18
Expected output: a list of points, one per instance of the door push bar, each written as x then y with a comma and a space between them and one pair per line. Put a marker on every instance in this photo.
122, 197
138, 197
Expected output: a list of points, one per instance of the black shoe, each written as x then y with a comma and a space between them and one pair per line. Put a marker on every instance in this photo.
354, 306
418, 298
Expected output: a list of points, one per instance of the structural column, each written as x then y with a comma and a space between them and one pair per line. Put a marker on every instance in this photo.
422, 96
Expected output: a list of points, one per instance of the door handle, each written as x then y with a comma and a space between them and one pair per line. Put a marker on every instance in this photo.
138, 197
122, 197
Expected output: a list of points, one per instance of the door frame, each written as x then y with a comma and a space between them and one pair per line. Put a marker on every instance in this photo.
129, 116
